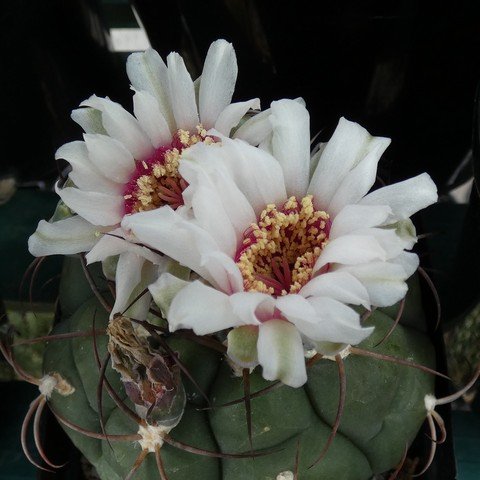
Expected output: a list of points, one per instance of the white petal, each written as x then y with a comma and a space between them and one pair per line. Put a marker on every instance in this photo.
201, 308
295, 305
98, 208
126, 279
65, 237
256, 129
224, 271
218, 81
405, 229
122, 126
350, 250
182, 93
110, 245
280, 353
151, 118
84, 174
89, 119
211, 216
164, 290
408, 261
341, 286
253, 307
359, 180
257, 174
355, 217
405, 198
291, 144
210, 171
349, 145
335, 323
384, 281
168, 232
110, 157
388, 240
147, 71
232, 114
132, 277
324, 319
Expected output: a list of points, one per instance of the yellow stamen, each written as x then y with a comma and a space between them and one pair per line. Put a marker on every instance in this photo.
287, 240
151, 187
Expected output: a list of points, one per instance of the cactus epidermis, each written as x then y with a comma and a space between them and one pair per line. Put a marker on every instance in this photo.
384, 408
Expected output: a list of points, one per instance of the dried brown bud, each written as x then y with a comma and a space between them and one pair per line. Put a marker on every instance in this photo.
152, 379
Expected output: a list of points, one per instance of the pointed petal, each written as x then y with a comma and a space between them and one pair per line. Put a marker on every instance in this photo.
201, 308
384, 281
89, 119
151, 118
338, 323
203, 165
257, 174
341, 286
388, 240
182, 93
359, 180
280, 353
110, 157
122, 126
84, 174
218, 82
133, 275
291, 144
126, 279
355, 217
168, 232
230, 117
224, 270
408, 261
253, 307
110, 245
324, 319
256, 129
65, 237
95, 207
350, 250
147, 71
211, 216
405, 198
349, 145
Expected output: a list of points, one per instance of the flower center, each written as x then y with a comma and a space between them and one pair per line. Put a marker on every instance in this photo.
278, 252
156, 181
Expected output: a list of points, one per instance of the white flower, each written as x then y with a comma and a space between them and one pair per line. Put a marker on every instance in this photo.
283, 253
127, 163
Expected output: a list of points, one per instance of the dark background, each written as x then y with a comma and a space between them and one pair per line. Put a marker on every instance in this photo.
405, 69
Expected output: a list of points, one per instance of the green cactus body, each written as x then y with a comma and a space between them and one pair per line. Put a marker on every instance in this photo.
383, 412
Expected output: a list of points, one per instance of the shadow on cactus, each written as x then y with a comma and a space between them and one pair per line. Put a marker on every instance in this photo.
126, 389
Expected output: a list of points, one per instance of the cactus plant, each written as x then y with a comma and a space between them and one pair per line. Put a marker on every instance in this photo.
257, 254
383, 406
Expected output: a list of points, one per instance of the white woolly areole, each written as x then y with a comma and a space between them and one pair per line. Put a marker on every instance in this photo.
152, 437
287, 475
47, 385
430, 402
343, 354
